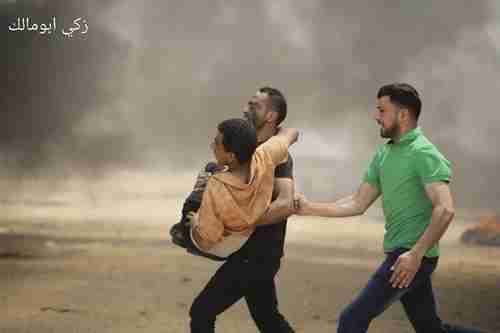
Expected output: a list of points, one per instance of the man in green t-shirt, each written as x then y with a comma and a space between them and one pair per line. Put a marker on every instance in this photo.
413, 178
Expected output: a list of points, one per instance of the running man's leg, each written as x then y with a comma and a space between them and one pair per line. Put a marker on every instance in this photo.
225, 288
263, 303
420, 305
378, 295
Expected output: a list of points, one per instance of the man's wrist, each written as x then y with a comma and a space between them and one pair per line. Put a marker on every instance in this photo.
307, 209
418, 251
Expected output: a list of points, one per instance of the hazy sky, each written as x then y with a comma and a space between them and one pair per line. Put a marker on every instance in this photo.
146, 86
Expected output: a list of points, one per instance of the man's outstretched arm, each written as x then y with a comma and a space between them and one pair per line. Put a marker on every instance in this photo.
352, 205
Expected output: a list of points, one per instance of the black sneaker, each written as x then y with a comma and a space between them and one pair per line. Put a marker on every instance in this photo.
179, 234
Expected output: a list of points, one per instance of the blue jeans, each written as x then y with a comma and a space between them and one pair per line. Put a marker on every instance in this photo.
418, 300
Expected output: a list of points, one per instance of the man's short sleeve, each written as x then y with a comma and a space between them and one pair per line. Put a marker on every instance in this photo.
285, 170
431, 167
372, 175
274, 149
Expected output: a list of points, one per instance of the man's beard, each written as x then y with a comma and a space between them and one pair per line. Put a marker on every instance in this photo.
390, 132
252, 120
249, 117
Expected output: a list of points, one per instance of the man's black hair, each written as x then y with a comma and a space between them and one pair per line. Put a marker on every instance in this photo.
239, 137
404, 95
278, 102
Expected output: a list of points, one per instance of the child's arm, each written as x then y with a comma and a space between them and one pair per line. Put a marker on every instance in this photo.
289, 135
275, 149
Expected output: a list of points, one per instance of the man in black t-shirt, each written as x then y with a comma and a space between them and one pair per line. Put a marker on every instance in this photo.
268, 240
249, 273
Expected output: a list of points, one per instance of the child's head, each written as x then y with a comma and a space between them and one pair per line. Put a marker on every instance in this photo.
235, 142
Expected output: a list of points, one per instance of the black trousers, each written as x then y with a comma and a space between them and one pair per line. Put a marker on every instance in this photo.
240, 278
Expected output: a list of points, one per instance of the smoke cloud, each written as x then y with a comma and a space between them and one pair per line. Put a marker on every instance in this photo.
151, 80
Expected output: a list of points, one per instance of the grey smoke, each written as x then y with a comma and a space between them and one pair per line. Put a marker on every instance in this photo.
161, 75
51, 86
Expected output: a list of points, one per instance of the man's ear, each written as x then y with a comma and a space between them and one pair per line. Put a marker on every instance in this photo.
232, 157
272, 116
404, 114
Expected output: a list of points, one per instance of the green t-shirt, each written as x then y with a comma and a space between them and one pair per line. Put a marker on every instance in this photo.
400, 170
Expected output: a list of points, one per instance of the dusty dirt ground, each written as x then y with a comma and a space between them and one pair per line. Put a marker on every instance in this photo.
78, 271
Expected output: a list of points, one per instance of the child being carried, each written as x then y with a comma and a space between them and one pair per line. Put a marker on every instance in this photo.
218, 218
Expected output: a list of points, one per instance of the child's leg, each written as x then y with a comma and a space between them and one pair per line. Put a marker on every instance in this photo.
180, 231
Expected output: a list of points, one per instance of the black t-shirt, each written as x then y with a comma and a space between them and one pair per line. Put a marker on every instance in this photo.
267, 242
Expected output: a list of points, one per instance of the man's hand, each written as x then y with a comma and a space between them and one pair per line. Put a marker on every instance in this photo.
300, 204
404, 269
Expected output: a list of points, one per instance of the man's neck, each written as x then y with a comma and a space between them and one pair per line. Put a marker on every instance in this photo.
404, 130
265, 132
